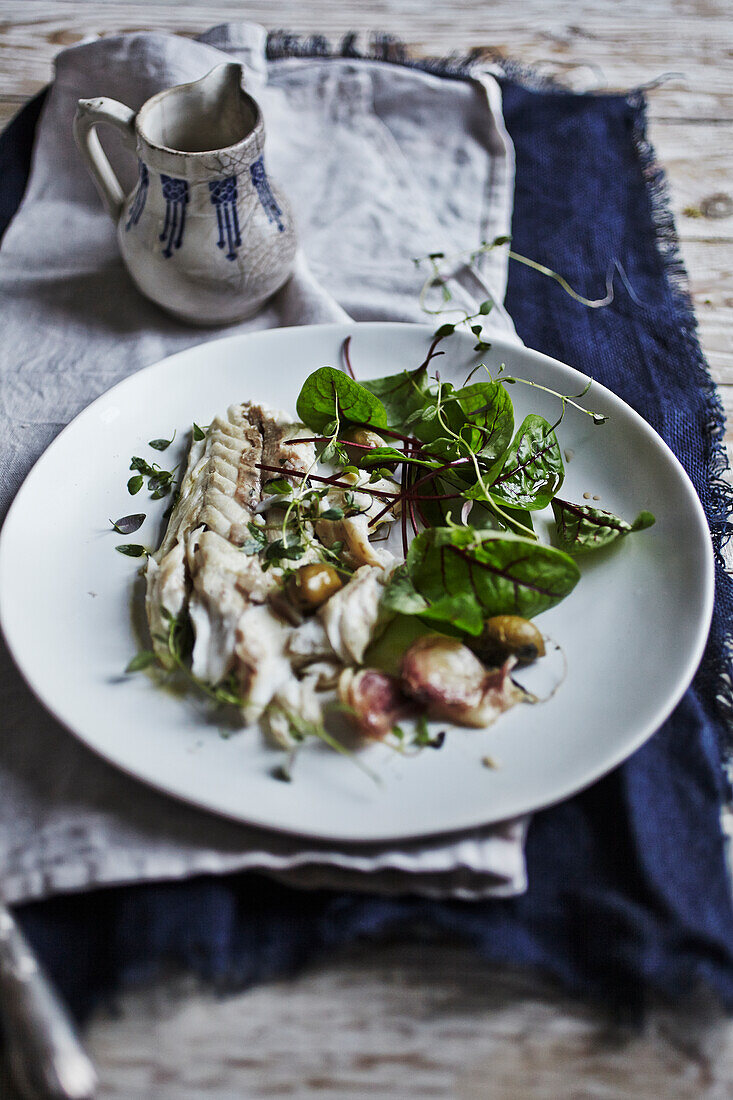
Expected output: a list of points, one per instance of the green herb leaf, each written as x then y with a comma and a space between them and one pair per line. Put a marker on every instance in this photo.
402, 596
332, 513
278, 485
329, 394
143, 466
328, 453
461, 576
135, 484
401, 394
128, 525
581, 528
142, 660
131, 550
422, 735
481, 414
278, 551
443, 331
486, 307
533, 471
197, 433
379, 456
161, 444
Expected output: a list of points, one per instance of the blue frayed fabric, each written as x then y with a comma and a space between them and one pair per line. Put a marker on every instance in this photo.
640, 899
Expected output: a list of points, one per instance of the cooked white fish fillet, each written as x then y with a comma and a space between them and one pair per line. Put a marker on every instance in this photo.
309, 643
218, 490
165, 591
225, 583
262, 666
351, 615
199, 558
297, 700
200, 565
354, 530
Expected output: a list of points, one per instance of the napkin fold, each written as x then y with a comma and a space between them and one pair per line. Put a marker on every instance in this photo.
381, 164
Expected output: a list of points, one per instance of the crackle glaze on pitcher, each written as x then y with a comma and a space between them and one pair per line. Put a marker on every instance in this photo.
205, 233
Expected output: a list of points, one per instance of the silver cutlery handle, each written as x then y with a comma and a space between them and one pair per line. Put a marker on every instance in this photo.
45, 1056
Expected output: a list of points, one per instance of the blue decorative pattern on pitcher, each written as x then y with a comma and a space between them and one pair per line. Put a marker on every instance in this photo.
264, 192
138, 203
223, 194
175, 193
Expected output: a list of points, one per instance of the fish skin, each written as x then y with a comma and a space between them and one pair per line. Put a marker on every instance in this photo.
199, 562
220, 485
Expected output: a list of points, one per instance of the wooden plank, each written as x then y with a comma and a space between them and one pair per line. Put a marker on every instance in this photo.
399, 1022
698, 161
7, 111
710, 268
433, 1021
580, 42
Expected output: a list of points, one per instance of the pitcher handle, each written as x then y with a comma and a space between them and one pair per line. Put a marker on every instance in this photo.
89, 114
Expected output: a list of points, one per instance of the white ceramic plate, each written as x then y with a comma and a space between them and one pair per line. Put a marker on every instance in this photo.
633, 630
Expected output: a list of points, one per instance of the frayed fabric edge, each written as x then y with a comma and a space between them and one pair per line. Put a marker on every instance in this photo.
720, 501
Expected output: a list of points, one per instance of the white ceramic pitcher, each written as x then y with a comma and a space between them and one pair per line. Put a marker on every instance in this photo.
204, 233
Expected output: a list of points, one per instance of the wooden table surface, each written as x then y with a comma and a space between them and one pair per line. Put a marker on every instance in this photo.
431, 1021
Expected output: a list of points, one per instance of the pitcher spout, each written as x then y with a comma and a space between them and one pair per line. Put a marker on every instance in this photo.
206, 115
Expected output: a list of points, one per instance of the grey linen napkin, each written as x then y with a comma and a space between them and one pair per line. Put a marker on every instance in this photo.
381, 164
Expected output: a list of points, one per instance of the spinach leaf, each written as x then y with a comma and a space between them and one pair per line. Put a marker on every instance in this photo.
581, 528
481, 414
461, 576
482, 517
401, 394
329, 395
533, 471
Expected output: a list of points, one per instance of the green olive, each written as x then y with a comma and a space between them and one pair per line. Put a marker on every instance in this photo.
365, 438
509, 635
311, 585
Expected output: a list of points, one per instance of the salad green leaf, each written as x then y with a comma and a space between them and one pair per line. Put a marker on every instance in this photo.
533, 471
329, 395
462, 576
481, 414
582, 528
401, 394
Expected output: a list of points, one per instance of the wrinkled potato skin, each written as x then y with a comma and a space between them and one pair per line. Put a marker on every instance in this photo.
374, 699
444, 676
509, 636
